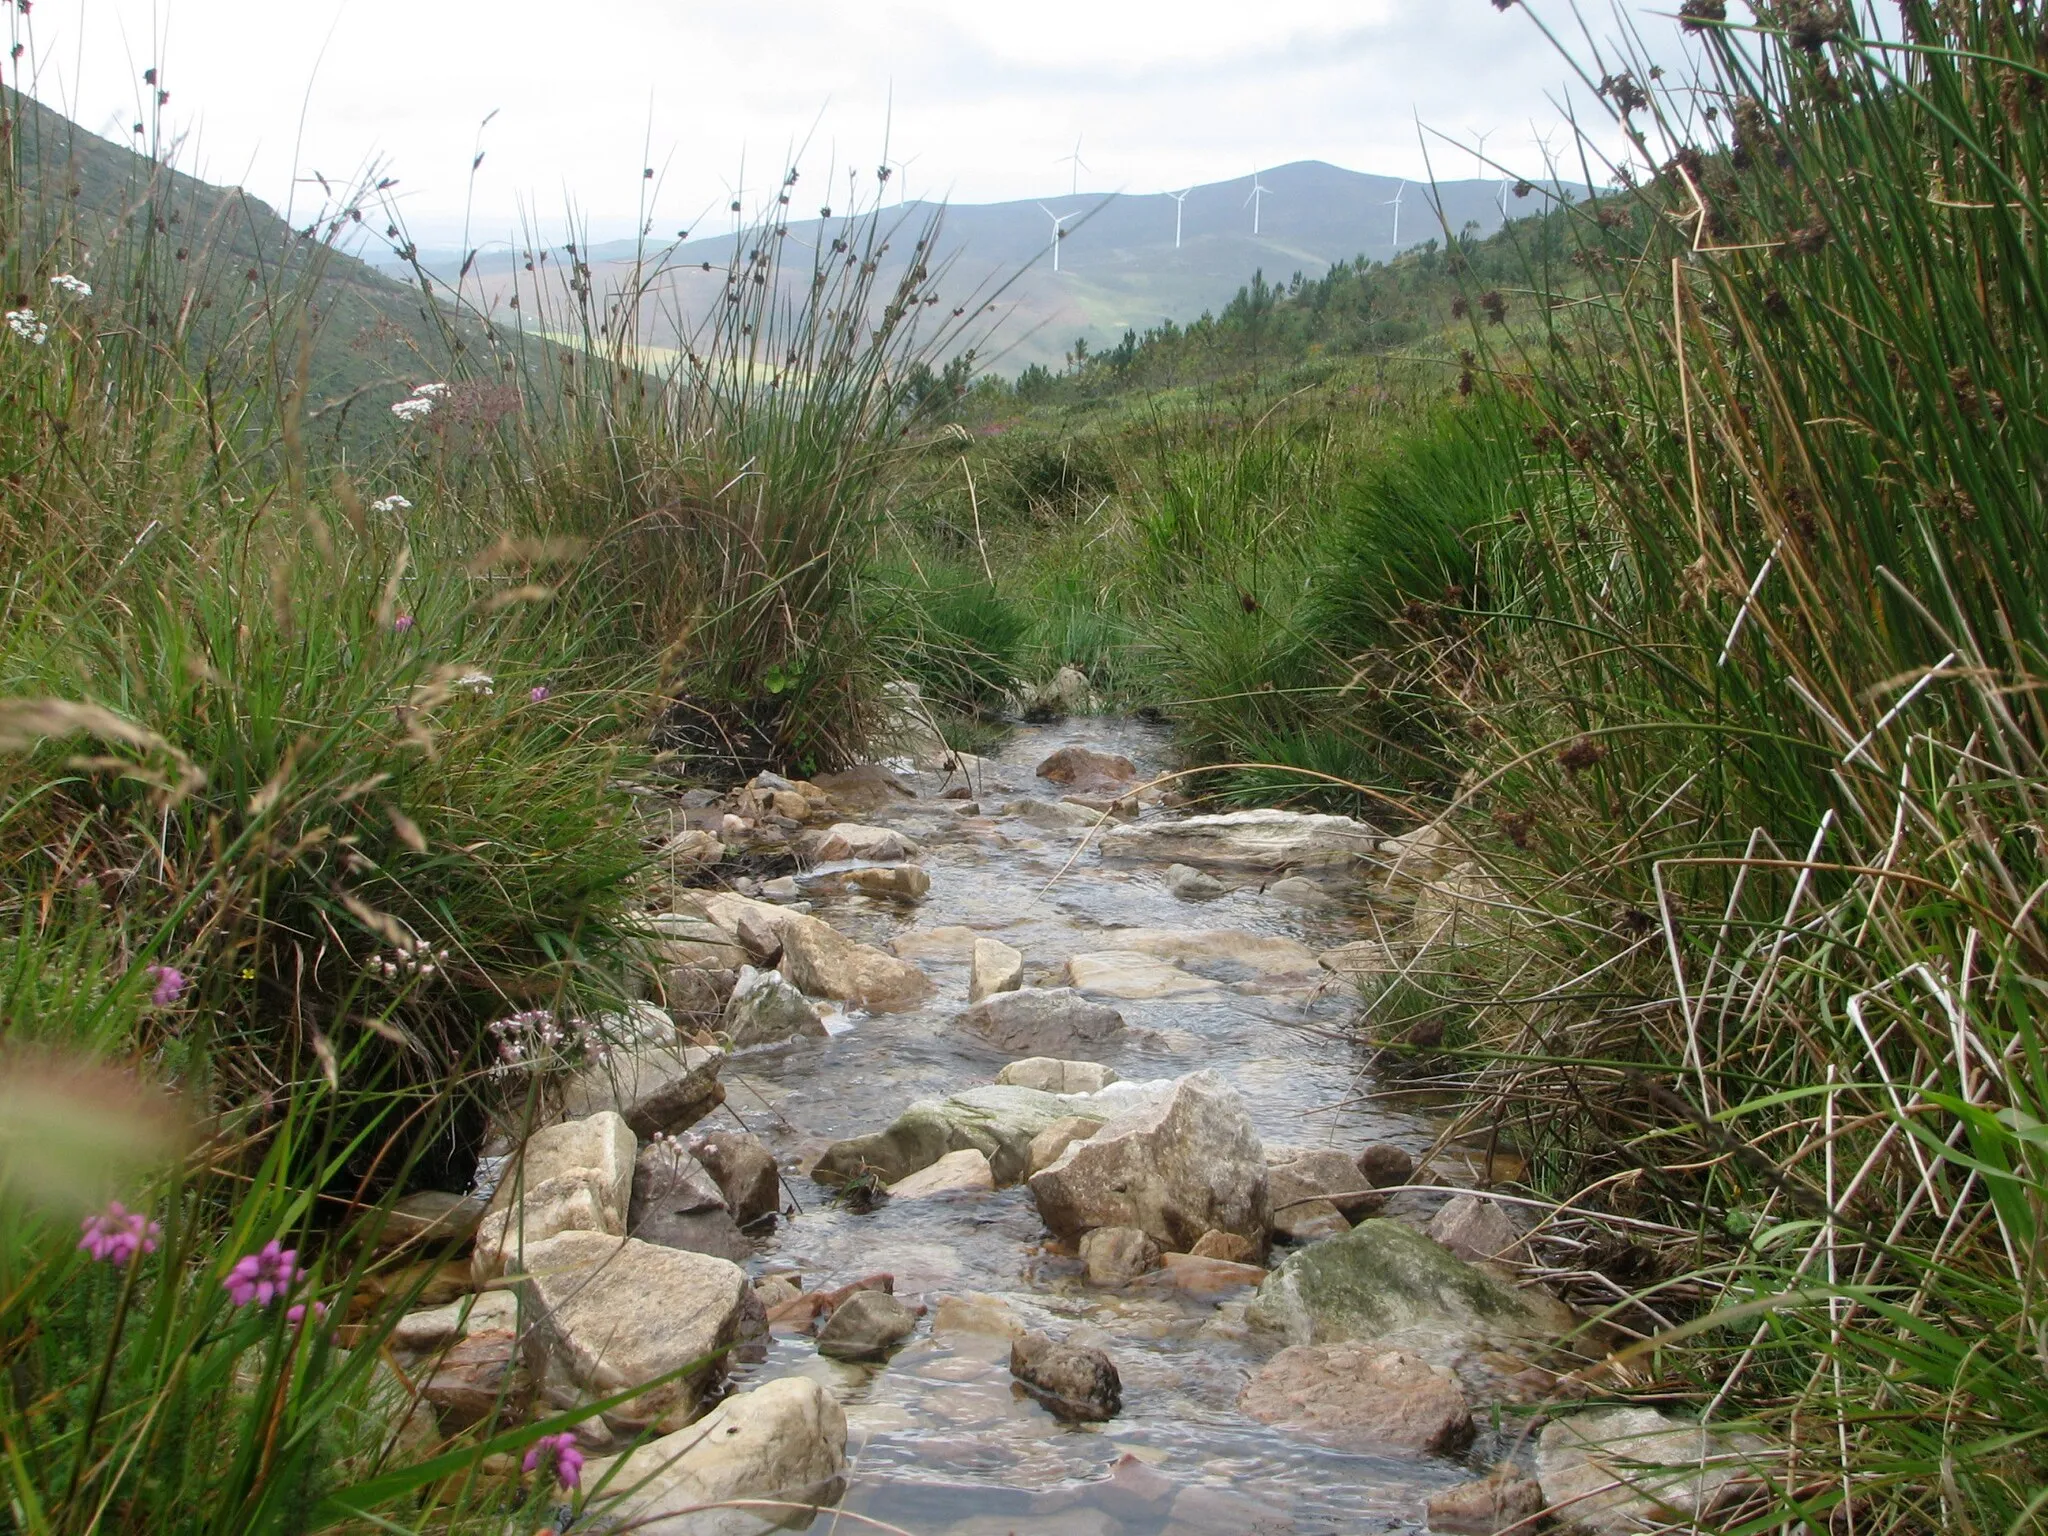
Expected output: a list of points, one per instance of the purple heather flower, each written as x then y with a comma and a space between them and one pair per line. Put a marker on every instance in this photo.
170, 985
540, 694
402, 623
296, 1312
117, 1234
560, 1453
263, 1276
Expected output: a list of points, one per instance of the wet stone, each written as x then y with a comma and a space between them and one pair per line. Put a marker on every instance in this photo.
1074, 1381
866, 1326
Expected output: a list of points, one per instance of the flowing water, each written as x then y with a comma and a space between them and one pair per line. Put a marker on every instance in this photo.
939, 1440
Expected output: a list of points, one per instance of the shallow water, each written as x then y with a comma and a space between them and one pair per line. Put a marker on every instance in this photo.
940, 1442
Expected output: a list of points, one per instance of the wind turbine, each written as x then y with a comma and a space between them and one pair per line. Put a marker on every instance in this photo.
1394, 202
1260, 192
1058, 234
1179, 199
1079, 166
903, 173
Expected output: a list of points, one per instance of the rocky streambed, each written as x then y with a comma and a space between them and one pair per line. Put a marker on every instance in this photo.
1009, 1167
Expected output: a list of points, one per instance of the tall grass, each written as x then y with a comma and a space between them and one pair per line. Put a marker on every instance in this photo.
1761, 771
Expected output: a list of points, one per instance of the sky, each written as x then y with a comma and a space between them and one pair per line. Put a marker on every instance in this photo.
980, 99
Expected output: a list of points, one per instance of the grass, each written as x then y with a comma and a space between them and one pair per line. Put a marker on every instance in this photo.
310, 773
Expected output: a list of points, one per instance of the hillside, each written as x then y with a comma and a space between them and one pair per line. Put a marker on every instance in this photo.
374, 336
1119, 266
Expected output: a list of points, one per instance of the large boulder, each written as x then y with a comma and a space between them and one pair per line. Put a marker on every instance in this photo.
610, 1313
1045, 1021
997, 1121
677, 1204
816, 957
1362, 1398
765, 1010
745, 1172
1624, 1470
1263, 841
1087, 771
1384, 1281
1076, 1381
655, 1088
785, 1440
573, 1177
1175, 1165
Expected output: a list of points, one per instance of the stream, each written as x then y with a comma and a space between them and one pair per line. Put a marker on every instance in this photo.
940, 1444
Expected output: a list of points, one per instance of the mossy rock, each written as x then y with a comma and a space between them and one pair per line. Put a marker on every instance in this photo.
1384, 1278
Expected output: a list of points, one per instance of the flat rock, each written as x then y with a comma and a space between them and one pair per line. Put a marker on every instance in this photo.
1356, 961
1045, 1021
1619, 1471
1087, 770
1313, 1185
1117, 1255
572, 1177
1476, 1228
1132, 976
1505, 1499
476, 1377
1229, 1246
1224, 954
1362, 1398
816, 958
1191, 884
1174, 1165
1054, 815
957, 1173
996, 968
765, 1010
784, 1440
952, 945
1261, 841
610, 1313
1197, 1275
891, 882
998, 1121
1073, 1380
431, 1218
865, 788
744, 1171
865, 1326
654, 1088
978, 1314
1383, 1280
432, 1327
853, 840
1049, 1074
1300, 891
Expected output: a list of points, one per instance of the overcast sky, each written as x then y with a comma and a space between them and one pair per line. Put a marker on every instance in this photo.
986, 95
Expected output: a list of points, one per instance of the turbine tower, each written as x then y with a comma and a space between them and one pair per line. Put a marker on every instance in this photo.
1394, 202
1179, 200
1079, 166
1260, 192
1058, 234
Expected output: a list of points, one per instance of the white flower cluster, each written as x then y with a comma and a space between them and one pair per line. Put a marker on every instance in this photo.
419, 403
481, 684
418, 958
390, 504
538, 1034
70, 284
23, 323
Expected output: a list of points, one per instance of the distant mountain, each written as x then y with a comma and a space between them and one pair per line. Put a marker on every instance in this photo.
219, 251
1120, 268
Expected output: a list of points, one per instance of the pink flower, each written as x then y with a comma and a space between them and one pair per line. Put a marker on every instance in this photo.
296, 1312
540, 694
558, 1452
263, 1276
402, 623
170, 984
117, 1234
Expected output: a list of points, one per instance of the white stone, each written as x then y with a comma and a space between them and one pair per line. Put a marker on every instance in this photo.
1049, 1074
573, 1177
1133, 976
965, 1172
996, 968
1266, 841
